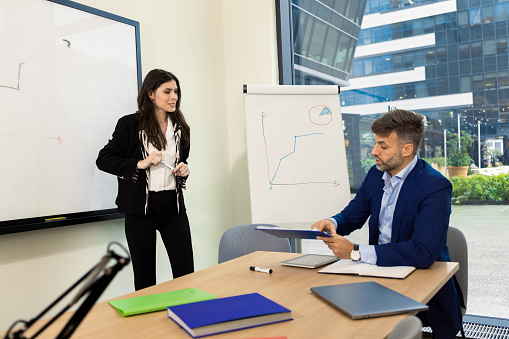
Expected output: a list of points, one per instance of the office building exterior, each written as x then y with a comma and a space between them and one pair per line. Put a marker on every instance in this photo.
445, 59
325, 36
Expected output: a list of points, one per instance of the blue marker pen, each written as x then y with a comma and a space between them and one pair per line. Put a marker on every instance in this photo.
168, 165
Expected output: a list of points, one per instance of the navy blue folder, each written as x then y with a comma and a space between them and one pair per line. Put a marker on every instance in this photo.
289, 233
228, 314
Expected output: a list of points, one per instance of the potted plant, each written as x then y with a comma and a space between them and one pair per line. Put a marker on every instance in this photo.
439, 162
458, 159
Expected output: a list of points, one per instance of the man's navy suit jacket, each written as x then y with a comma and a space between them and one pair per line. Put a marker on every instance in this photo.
419, 233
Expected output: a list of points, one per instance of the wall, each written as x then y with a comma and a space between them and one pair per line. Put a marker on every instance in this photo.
250, 59
214, 47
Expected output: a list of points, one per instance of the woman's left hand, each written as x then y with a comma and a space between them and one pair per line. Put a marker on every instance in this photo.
182, 170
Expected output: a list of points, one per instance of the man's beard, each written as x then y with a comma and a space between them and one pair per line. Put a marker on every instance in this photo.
390, 164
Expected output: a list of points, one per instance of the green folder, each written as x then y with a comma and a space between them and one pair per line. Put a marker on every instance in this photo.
160, 301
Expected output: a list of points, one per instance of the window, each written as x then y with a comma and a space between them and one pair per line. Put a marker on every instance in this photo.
465, 85
365, 37
358, 68
469, 57
475, 16
476, 49
488, 14
463, 19
387, 63
501, 45
453, 68
489, 47
331, 47
376, 35
386, 32
317, 38
464, 51
377, 64
452, 37
491, 81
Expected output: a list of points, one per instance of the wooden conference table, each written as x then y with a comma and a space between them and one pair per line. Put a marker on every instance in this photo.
288, 286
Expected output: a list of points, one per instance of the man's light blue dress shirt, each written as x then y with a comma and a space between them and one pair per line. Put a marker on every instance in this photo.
391, 192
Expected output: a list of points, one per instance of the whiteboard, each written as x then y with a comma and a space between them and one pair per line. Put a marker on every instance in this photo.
296, 153
66, 76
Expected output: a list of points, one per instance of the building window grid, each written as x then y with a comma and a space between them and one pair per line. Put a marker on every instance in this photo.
376, 6
471, 18
477, 55
450, 65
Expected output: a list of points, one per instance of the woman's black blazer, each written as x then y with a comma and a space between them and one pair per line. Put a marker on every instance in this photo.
120, 157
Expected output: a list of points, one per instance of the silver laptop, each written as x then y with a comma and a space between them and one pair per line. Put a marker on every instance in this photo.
367, 300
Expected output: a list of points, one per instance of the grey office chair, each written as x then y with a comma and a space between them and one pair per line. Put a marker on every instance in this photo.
243, 239
458, 251
408, 328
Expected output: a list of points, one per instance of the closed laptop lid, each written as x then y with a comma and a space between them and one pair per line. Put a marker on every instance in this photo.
367, 300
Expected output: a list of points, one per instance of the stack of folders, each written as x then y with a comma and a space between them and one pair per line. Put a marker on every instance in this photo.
228, 314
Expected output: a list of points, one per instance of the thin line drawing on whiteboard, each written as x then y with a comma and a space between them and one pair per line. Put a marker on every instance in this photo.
271, 181
294, 148
18, 88
57, 138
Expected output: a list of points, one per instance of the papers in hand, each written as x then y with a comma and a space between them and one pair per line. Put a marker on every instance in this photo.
363, 269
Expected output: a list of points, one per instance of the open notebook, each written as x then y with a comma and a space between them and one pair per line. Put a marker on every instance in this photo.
358, 268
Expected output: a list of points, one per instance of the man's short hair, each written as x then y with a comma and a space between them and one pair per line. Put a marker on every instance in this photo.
409, 127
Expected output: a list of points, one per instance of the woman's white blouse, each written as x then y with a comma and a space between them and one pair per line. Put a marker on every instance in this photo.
161, 177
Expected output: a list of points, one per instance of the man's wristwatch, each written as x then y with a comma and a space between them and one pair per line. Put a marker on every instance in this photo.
355, 255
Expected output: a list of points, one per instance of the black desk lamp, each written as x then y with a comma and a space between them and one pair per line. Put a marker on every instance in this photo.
94, 282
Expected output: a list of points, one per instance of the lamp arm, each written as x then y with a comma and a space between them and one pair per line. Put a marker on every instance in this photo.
94, 287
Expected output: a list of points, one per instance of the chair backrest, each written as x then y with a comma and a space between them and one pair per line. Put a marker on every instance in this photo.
408, 328
244, 239
458, 251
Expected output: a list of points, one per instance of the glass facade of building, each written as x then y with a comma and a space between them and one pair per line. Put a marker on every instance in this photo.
461, 52
445, 59
468, 55
325, 37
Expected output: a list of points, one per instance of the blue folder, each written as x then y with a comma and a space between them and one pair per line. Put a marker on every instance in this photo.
228, 314
289, 233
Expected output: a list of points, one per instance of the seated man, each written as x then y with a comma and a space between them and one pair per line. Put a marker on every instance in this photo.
409, 203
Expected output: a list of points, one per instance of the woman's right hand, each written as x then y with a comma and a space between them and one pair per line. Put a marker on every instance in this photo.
153, 158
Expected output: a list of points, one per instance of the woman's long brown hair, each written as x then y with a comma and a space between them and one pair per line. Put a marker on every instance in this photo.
146, 111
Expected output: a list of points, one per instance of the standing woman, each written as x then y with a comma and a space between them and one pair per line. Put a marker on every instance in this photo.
150, 193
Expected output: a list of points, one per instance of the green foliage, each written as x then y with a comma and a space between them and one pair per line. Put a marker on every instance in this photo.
428, 160
440, 161
455, 156
481, 187
367, 164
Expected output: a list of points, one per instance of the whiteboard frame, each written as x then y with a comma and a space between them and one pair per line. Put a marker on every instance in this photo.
50, 221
